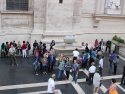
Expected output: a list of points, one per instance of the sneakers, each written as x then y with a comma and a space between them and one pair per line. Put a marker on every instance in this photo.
36, 74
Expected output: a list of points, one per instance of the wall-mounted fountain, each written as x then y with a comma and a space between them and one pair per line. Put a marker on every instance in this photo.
68, 48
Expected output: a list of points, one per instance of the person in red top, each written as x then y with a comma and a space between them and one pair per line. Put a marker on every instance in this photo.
24, 49
36, 51
96, 43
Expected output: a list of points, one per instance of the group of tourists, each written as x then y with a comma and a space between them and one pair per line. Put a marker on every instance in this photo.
46, 59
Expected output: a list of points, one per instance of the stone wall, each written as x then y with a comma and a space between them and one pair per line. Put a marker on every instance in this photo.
16, 22
48, 19
59, 15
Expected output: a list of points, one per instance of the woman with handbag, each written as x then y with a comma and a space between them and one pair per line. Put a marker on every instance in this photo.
112, 88
96, 82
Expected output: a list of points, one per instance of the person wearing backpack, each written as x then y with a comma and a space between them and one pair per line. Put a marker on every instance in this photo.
115, 64
75, 71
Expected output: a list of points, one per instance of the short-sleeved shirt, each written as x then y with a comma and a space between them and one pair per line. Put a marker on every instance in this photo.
61, 65
12, 50
67, 64
101, 63
92, 69
51, 84
75, 53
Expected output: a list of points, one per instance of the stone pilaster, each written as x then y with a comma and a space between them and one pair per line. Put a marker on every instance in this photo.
77, 15
123, 12
39, 15
100, 6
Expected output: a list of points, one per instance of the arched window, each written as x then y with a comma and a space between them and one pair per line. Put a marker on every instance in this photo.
17, 4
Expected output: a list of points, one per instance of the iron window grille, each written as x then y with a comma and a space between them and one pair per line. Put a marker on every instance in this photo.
17, 5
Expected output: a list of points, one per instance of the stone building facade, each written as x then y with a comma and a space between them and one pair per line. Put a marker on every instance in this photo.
45, 20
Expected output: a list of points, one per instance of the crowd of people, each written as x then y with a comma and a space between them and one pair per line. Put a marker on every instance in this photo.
47, 59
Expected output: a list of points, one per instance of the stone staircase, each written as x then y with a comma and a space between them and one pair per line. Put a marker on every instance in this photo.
57, 36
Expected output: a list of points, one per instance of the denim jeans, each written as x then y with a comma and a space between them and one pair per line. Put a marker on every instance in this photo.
110, 65
60, 74
44, 68
35, 67
75, 76
100, 69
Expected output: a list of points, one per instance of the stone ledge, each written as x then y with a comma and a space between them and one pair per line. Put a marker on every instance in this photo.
57, 34
103, 32
108, 15
17, 12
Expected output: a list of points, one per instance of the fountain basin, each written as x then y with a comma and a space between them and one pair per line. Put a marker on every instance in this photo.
66, 51
69, 39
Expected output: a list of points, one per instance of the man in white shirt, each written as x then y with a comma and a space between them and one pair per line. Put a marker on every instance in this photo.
101, 63
92, 70
75, 54
51, 85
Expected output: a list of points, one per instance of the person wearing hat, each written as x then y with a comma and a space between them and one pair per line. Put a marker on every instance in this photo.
75, 54
92, 70
51, 85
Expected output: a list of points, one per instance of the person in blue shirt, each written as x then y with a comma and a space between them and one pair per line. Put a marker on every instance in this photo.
92, 56
67, 67
75, 70
112, 57
35, 64
83, 60
51, 61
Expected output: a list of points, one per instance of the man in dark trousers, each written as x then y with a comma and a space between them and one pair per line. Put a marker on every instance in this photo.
108, 45
115, 64
28, 47
92, 70
51, 61
75, 54
34, 46
123, 77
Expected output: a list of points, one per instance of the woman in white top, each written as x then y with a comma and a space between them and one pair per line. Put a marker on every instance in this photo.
96, 82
